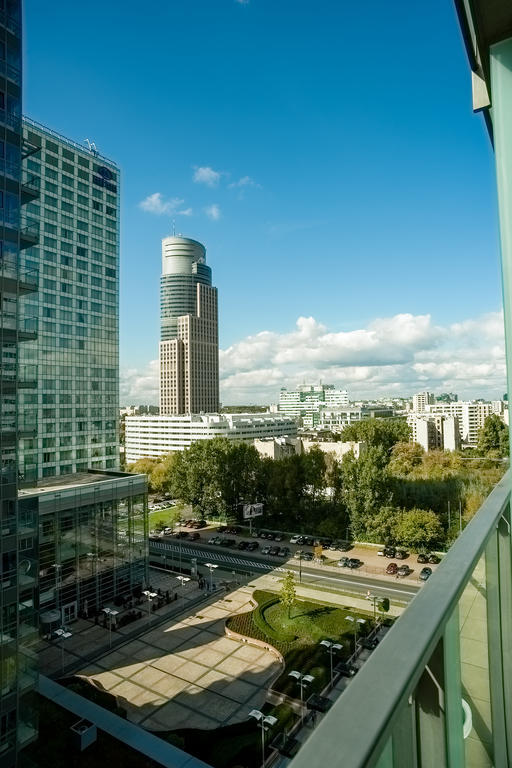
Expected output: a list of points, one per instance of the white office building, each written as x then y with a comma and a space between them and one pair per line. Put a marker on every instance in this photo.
435, 431
156, 436
471, 417
308, 400
421, 401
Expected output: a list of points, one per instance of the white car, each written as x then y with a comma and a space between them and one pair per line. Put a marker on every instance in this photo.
295, 539
167, 531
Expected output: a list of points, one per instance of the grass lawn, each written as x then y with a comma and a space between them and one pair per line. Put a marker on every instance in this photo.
165, 516
297, 635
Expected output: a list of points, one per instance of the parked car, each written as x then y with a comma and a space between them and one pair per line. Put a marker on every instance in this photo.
392, 569
167, 531
346, 669
273, 551
344, 546
422, 558
400, 554
404, 570
242, 545
252, 545
284, 552
194, 536
221, 528
296, 540
307, 556
369, 644
308, 541
182, 535
199, 524
154, 537
278, 536
389, 552
354, 562
224, 542
425, 574
343, 562
434, 559
215, 540
265, 551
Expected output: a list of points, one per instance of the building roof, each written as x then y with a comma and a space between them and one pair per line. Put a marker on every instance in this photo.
66, 482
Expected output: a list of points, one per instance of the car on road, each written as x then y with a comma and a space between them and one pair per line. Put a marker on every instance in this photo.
343, 562
392, 569
284, 552
422, 558
345, 669
182, 535
252, 545
243, 545
400, 554
425, 574
265, 551
404, 570
194, 536
273, 551
296, 540
354, 562
215, 540
434, 559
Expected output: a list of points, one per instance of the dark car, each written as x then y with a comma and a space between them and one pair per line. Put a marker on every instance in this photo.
273, 551
400, 554
308, 541
434, 559
307, 556
225, 542
199, 524
422, 558
284, 552
278, 536
354, 562
243, 545
154, 537
221, 529
182, 535
263, 534
389, 552
194, 536
345, 669
344, 546
343, 562
425, 574
252, 545
369, 644
404, 570
392, 569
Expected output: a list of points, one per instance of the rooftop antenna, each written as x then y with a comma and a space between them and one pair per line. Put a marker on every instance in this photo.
174, 227
91, 146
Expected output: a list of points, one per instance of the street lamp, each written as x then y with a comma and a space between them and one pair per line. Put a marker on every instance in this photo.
331, 648
211, 567
303, 681
183, 580
149, 597
355, 622
63, 634
111, 614
266, 722
298, 554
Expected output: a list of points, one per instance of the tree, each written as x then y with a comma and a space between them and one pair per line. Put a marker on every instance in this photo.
419, 528
378, 432
288, 595
493, 437
366, 486
405, 457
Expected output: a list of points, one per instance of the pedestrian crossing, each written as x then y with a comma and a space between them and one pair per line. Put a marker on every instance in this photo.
212, 556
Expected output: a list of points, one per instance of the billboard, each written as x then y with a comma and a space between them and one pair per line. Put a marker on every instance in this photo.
252, 510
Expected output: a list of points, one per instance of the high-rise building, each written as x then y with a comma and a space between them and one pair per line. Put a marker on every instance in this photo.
421, 401
189, 346
308, 400
470, 415
76, 353
18, 326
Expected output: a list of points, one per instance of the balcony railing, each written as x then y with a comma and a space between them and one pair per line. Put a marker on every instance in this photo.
438, 690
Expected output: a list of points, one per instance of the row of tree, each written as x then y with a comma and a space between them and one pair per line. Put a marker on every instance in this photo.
393, 492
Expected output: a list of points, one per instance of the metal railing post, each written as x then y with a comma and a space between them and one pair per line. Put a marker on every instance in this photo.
455, 752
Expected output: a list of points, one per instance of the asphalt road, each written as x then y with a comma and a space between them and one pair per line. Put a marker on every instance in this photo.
233, 560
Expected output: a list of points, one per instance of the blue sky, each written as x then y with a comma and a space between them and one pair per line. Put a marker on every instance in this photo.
347, 181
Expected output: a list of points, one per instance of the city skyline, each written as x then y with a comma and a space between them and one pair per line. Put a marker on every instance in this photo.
401, 201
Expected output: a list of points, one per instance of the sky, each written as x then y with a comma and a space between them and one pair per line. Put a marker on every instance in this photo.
326, 154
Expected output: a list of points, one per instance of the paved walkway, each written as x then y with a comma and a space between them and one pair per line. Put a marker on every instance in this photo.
189, 674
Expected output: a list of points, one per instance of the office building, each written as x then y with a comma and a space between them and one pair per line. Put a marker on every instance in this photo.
421, 401
18, 326
189, 346
75, 355
156, 436
336, 419
307, 400
471, 417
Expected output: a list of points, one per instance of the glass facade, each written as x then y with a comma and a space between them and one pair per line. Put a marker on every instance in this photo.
92, 542
18, 574
75, 357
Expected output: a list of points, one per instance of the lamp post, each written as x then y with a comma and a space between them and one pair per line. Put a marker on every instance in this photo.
149, 597
303, 681
331, 648
63, 634
299, 554
111, 614
266, 722
183, 580
211, 567
355, 622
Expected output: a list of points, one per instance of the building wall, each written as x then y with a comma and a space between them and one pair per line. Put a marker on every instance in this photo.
156, 436
307, 400
76, 400
337, 449
278, 447
471, 417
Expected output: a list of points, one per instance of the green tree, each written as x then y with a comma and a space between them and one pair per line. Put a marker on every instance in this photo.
366, 486
493, 437
405, 458
288, 595
381, 526
378, 432
419, 528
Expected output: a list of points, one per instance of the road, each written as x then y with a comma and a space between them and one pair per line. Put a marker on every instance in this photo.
353, 582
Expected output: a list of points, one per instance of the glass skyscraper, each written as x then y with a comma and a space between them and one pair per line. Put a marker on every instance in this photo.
18, 326
76, 400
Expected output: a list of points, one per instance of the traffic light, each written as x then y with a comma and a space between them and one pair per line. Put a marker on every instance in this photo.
384, 604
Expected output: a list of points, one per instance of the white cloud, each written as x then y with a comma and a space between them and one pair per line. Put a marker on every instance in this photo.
213, 212
397, 356
155, 203
206, 175
245, 181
